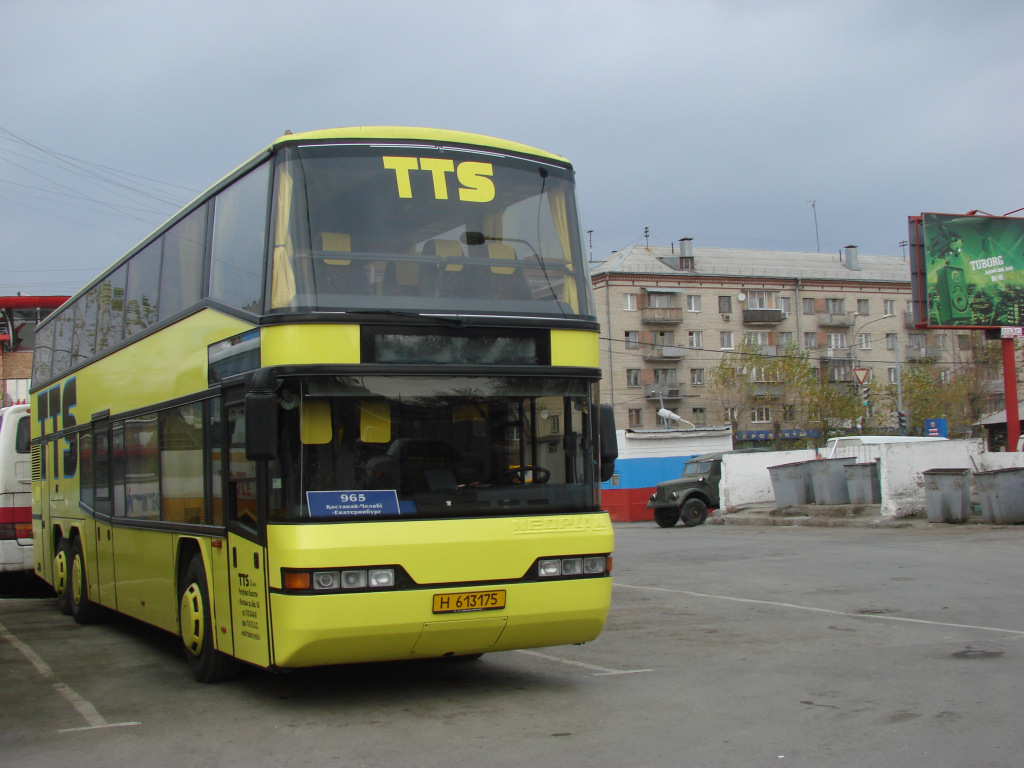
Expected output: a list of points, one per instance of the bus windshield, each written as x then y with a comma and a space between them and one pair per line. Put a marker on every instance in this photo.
464, 446
427, 228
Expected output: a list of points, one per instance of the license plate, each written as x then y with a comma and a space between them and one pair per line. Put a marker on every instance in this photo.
461, 602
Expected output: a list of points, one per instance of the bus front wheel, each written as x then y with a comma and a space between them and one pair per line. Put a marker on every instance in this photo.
82, 608
208, 664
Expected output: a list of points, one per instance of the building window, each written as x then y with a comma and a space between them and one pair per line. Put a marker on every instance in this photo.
629, 302
944, 376
807, 306
863, 307
695, 339
730, 414
837, 341
726, 339
697, 377
762, 299
632, 339
916, 340
664, 375
632, 377
841, 370
835, 306
725, 304
635, 417
659, 300
663, 338
556, 424
757, 338
890, 341
787, 306
963, 341
889, 307
892, 375
865, 340
700, 417
762, 414
810, 340
785, 338
693, 302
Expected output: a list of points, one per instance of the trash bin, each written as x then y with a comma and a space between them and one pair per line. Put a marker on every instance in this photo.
829, 478
863, 483
792, 483
947, 494
1001, 493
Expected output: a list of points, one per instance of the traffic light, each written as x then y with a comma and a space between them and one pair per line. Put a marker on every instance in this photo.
901, 422
865, 396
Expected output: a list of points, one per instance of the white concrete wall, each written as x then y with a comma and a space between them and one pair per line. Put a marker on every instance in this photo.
745, 478
901, 465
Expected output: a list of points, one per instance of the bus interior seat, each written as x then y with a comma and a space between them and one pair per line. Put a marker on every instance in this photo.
506, 282
412, 278
338, 275
454, 280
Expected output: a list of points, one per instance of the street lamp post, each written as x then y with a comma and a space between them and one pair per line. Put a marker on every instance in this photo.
857, 360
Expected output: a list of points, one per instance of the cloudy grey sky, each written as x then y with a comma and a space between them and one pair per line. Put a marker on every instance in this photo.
719, 120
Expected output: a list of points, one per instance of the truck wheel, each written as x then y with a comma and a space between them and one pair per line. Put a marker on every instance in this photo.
666, 519
83, 610
61, 576
694, 512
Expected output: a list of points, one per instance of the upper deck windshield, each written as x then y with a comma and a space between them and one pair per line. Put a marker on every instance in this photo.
426, 229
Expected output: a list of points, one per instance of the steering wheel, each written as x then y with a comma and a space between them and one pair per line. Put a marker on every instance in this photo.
540, 474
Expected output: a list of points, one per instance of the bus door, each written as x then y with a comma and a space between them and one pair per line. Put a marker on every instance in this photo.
247, 573
51, 502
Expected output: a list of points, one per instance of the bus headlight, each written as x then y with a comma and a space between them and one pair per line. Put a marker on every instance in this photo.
326, 579
574, 567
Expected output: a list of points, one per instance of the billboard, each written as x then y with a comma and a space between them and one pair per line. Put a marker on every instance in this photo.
967, 271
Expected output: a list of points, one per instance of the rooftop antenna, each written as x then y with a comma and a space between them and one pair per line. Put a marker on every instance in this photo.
814, 209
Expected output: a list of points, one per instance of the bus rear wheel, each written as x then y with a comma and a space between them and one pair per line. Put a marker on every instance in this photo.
61, 574
208, 664
83, 609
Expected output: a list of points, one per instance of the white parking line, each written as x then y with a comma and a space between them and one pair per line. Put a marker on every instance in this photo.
828, 611
91, 715
598, 671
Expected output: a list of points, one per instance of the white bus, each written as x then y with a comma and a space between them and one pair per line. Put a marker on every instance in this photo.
15, 489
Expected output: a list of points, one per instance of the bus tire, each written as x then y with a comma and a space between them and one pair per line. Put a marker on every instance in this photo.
694, 512
82, 608
208, 664
62, 575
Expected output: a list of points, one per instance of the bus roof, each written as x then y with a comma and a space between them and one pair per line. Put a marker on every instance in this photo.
370, 132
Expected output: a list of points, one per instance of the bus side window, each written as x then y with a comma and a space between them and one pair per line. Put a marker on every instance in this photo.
23, 439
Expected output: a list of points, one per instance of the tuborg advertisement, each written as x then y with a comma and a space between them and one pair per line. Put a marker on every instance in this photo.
973, 270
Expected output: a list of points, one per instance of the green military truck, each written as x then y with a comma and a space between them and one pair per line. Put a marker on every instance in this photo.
691, 495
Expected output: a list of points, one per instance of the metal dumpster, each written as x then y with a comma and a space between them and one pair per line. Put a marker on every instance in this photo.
947, 494
792, 483
1001, 493
863, 483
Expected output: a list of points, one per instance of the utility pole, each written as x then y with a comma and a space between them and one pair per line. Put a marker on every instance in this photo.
814, 209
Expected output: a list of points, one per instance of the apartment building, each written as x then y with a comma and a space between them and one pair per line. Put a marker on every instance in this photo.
670, 314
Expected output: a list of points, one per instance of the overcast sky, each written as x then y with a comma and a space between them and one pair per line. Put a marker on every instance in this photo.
715, 120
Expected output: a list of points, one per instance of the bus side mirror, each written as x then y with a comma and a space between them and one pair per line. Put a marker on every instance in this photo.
261, 418
609, 443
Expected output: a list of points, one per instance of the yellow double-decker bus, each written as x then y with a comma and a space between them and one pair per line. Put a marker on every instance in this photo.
343, 407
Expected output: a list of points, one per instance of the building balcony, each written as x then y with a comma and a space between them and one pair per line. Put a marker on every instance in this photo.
663, 392
763, 316
840, 320
664, 353
661, 315
839, 353
923, 353
767, 390
908, 321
